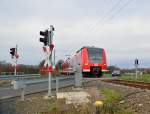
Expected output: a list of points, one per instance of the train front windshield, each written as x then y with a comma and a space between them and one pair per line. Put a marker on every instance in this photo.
95, 55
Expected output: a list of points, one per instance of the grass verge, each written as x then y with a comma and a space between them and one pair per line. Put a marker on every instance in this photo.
141, 78
4, 82
112, 104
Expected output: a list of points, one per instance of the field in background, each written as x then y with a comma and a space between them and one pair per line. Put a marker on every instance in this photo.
140, 78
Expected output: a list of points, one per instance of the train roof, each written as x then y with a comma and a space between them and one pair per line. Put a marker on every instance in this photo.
88, 47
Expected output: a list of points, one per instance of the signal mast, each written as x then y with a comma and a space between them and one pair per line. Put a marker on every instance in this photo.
14, 57
48, 46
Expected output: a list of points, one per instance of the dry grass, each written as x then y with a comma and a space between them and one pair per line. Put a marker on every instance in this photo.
4, 82
35, 104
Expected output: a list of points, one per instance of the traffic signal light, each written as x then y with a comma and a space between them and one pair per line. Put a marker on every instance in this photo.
12, 51
136, 61
45, 39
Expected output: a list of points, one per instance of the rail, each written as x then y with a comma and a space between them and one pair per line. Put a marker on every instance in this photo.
135, 84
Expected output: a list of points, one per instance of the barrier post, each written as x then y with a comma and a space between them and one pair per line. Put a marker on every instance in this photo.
57, 85
22, 93
78, 76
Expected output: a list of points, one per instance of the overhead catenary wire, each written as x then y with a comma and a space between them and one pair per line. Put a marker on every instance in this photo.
100, 19
88, 26
114, 14
115, 11
109, 15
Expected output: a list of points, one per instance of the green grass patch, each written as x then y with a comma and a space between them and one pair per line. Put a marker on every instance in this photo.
140, 78
107, 75
110, 95
112, 103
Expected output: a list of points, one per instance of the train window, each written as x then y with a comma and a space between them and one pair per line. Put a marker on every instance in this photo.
95, 55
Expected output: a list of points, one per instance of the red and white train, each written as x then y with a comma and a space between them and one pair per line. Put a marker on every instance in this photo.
91, 59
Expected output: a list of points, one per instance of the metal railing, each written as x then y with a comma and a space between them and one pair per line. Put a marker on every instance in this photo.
56, 83
41, 84
16, 77
11, 73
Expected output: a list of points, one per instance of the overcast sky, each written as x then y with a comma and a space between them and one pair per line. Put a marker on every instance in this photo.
122, 27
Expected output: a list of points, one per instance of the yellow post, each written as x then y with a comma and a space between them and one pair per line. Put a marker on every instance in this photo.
98, 105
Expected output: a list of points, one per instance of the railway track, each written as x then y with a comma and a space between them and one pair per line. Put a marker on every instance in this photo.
141, 85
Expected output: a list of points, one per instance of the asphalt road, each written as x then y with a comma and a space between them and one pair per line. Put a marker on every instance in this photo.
8, 92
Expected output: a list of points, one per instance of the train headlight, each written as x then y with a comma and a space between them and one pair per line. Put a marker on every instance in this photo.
86, 64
